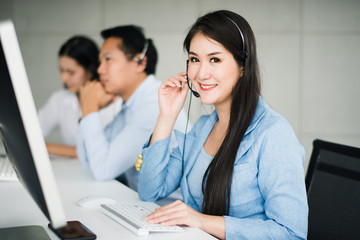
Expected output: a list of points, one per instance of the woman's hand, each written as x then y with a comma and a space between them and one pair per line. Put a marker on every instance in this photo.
176, 213
92, 97
172, 95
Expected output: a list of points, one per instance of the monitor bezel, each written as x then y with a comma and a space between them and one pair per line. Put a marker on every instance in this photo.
31, 124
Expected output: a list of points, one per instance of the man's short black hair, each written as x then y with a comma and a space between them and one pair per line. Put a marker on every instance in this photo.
133, 42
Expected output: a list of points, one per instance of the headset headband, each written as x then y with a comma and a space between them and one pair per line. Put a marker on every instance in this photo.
243, 53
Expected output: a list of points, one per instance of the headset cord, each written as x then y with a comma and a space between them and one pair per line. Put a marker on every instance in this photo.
186, 129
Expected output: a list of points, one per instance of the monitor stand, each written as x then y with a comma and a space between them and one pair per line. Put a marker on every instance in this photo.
24, 232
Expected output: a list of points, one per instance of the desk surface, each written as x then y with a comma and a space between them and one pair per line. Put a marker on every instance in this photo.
74, 182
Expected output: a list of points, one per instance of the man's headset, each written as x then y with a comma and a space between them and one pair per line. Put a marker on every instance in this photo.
141, 58
243, 54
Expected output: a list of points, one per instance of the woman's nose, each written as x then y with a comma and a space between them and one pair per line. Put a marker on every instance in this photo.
64, 77
204, 71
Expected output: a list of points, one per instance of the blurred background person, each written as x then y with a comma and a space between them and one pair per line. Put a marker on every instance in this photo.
127, 69
78, 62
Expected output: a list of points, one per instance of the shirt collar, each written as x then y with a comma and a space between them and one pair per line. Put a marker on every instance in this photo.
260, 111
140, 90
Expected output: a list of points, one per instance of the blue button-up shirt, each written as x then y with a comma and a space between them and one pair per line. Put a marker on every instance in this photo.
112, 151
268, 197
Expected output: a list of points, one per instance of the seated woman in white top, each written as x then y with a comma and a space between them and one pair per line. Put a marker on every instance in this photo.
78, 61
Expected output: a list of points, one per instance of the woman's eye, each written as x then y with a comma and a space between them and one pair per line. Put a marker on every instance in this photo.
107, 59
194, 59
214, 60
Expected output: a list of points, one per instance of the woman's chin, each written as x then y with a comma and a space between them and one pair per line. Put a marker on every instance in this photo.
74, 91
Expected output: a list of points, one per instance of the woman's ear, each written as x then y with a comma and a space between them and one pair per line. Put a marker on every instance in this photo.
241, 71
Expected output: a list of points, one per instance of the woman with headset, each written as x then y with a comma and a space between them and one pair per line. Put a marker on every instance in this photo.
240, 168
78, 63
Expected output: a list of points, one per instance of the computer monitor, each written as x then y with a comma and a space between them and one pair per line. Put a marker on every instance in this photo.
21, 134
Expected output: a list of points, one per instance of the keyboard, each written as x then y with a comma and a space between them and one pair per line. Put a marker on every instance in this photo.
131, 217
7, 172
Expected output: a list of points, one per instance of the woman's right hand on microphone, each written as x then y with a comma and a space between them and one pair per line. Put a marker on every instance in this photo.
172, 95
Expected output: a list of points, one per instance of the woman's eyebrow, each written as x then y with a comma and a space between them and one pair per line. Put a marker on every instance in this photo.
193, 53
214, 53
210, 54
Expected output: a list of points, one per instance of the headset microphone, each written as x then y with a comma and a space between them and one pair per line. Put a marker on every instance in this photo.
196, 94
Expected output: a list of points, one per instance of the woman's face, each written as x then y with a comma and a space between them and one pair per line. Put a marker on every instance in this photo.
212, 70
72, 74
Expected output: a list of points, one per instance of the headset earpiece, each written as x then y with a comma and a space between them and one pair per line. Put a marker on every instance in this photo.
243, 54
141, 58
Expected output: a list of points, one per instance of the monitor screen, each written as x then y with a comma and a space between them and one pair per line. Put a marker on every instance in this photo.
20, 130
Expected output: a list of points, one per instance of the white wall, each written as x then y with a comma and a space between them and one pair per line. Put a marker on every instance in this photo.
308, 51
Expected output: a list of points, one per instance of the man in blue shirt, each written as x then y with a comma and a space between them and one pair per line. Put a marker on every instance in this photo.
127, 67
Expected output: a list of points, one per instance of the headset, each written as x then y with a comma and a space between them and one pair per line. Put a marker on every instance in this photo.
141, 58
243, 54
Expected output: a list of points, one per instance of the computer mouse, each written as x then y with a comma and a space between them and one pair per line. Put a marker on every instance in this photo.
94, 201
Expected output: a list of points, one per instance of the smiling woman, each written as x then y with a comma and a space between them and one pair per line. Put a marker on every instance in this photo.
213, 70
240, 169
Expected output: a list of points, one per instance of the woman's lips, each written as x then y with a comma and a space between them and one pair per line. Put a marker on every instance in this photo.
207, 87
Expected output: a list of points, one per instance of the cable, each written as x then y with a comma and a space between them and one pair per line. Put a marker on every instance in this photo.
187, 123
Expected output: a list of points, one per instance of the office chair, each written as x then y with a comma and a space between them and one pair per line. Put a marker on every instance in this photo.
333, 190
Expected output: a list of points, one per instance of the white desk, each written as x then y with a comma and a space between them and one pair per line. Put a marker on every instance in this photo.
74, 182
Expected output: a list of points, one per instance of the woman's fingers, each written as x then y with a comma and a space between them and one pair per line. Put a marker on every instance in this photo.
176, 213
175, 81
171, 214
164, 209
161, 210
166, 216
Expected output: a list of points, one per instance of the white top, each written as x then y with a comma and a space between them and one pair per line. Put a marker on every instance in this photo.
63, 110
112, 151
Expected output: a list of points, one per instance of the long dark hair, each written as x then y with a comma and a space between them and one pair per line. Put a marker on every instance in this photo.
220, 26
84, 51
